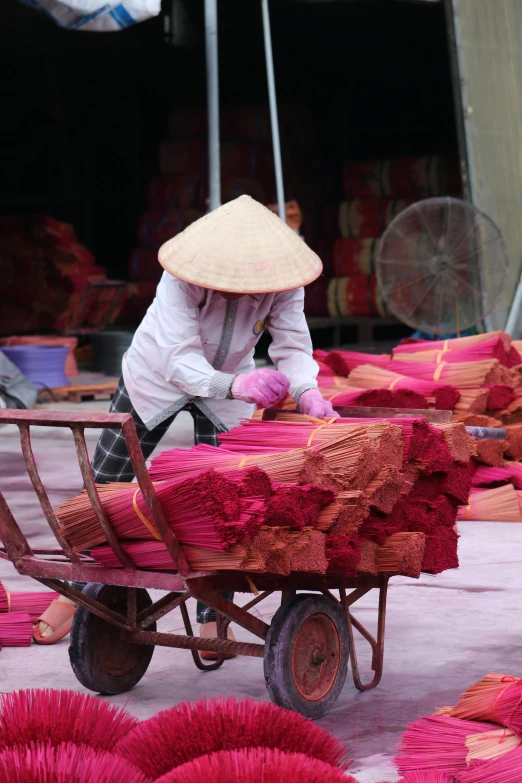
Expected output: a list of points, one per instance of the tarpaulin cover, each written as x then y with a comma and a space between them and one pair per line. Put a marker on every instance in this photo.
94, 16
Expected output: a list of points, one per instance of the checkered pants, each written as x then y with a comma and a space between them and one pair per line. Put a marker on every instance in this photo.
111, 461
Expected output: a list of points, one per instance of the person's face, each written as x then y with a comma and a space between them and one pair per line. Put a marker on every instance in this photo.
230, 297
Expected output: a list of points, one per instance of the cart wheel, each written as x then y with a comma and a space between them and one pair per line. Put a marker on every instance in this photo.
306, 655
101, 658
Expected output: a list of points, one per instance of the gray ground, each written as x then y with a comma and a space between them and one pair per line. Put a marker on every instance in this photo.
443, 632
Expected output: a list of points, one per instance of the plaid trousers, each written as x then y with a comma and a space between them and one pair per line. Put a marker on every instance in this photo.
111, 461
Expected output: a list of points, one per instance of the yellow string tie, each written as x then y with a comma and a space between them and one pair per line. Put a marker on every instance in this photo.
8, 594
252, 585
314, 433
312, 418
392, 384
438, 371
243, 463
144, 519
468, 512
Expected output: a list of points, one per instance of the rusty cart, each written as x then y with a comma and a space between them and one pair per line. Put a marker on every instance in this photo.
306, 648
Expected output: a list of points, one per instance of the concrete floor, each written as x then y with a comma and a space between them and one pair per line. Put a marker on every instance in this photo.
443, 632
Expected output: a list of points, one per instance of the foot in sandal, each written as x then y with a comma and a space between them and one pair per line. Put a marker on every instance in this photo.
209, 631
56, 621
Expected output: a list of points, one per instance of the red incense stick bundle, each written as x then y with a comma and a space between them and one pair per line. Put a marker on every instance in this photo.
44, 763
16, 629
209, 726
343, 554
58, 716
441, 551
34, 604
256, 765
368, 562
492, 505
343, 362
500, 396
296, 507
514, 441
490, 452
368, 377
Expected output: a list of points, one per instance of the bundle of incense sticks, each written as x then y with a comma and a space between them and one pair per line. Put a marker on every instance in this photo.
496, 698
506, 769
441, 743
500, 396
368, 377
401, 553
154, 556
345, 514
343, 362
500, 504
513, 441
459, 343
471, 401
492, 348
489, 477
16, 629
207, 511
4, 599
296, 507
33, 604
463, 375
490, 452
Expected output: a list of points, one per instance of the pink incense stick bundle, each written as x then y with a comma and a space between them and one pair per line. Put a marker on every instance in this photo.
60, 716
497, 697
34, 604
463, 375
4, 599
154, 556
485, 476
492, 505
343, 362
496, 345
437, 743
368, 377
45, 763
493, 348
16, 629
206, 511
506, 769
428, 776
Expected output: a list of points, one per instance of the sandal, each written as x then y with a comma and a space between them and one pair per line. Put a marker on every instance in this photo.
58, 616
208, 655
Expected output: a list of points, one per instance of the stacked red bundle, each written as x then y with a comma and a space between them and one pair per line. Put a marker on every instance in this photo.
358, 295
421, 176
45, 271
16, 629
477, 741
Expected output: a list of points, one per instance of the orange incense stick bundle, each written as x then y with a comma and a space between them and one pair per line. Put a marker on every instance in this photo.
368, 561
484, 698
384, 489
154, 556
279, 550
471, 401
490, 452
401, 554
345, 515
514, 441
492, 505
461, 445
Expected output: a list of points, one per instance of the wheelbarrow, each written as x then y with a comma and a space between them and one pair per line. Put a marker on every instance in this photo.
306, 648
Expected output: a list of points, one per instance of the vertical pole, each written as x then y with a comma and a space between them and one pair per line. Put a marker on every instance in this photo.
278, 165
211, 44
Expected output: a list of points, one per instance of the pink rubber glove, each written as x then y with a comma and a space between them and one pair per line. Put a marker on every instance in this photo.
312, 403
262, 386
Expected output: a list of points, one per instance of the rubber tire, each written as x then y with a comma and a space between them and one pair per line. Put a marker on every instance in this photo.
89, 632
279, 646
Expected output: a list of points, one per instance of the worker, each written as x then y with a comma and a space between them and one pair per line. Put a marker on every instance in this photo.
227, 277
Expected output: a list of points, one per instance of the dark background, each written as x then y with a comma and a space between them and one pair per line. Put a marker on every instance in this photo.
83, 114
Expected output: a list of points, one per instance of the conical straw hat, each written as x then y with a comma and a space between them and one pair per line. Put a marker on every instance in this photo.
243, 248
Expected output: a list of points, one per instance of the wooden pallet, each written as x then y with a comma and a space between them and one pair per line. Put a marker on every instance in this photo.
98, 391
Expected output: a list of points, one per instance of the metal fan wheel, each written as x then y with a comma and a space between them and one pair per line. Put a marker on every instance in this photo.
441, 266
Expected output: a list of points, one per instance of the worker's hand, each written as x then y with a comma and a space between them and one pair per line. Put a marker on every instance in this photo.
311, 403
262, 386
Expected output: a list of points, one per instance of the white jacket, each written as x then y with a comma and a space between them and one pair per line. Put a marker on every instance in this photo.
193, 342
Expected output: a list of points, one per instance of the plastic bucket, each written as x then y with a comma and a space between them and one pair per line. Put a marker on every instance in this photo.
43, 365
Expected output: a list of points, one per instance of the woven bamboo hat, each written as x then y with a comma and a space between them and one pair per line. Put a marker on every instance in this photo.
242, 248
